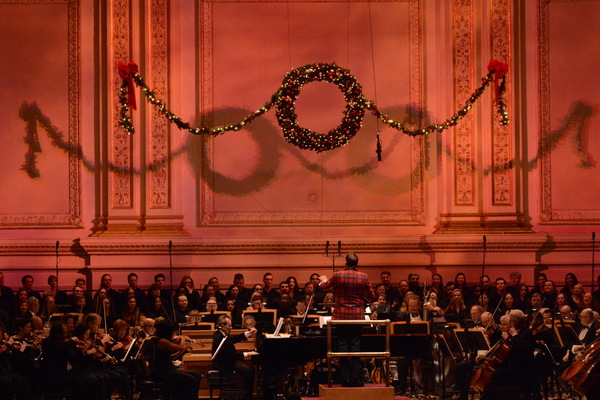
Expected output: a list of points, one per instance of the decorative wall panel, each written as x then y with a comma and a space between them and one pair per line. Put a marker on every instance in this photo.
160, 145
464, 171
39, 109
568, 93
502, 142
254, 177
122, 146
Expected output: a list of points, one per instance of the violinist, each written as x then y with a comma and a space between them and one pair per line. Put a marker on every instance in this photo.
25, 348
107, 365
85, 359
180, 384
121, 340
147, 329
492, 330
60, 352
12, 384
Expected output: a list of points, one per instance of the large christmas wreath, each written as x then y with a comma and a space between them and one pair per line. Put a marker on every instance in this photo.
286, 110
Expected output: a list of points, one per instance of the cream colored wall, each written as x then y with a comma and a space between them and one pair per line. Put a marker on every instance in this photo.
250, 201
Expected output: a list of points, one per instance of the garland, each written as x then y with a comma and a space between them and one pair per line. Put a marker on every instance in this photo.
285, 97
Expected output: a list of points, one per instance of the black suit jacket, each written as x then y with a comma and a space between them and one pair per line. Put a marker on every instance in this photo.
228, 355
590, 336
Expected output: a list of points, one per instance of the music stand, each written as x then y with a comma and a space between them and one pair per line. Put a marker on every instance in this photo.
408, 328
566, 335
208, 316
472, 340
266, 319
198, 326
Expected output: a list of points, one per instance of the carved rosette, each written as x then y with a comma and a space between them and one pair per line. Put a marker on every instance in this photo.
502, 142
122, 179
160, 145
464, 174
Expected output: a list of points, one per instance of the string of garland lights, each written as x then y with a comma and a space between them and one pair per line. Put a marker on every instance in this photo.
285, 97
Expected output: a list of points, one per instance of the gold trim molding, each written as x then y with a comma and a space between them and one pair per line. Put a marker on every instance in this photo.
72, 219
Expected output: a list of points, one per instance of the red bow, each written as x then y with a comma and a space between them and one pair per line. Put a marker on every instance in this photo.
126, 73
500, 70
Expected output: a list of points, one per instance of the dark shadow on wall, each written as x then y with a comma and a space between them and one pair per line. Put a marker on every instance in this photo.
270, 143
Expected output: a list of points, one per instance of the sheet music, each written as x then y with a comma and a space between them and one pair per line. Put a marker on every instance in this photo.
219, 348
279, 325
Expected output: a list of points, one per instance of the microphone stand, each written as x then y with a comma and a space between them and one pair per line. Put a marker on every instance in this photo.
171, 278
333, 255
57, 260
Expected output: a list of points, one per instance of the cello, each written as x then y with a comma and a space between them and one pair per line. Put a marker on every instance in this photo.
577, 374
493, 359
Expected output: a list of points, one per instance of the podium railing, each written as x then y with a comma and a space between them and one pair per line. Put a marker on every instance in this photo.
381, 354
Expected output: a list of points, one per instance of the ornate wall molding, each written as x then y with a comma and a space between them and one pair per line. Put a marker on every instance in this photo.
464, 161
549, 214
209, 216
71, 219
160, 145
121, 142
502, 141
395, 245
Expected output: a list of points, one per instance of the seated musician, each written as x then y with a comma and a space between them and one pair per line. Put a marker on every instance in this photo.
413, 311
517, 369
586, 330
492, 331
181, 384
225, 357
147, 329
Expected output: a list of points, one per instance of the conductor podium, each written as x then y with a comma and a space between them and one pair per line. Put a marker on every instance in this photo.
367, 392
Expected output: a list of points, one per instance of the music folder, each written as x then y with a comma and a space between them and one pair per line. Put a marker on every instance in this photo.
473, 340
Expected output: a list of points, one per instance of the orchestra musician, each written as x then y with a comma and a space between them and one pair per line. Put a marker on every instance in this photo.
147, 329
26, 346
518, 367
180, 384
59, 353
351, 289
226, 359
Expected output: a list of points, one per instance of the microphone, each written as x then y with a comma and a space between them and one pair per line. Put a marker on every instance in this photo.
327, 248
378, 151
57, 243
170, 244
484, 240
593, 236
339, 247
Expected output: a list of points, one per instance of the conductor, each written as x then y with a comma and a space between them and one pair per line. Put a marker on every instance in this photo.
351, 289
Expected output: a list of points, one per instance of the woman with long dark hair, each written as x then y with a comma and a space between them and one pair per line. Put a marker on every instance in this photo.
180, 384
